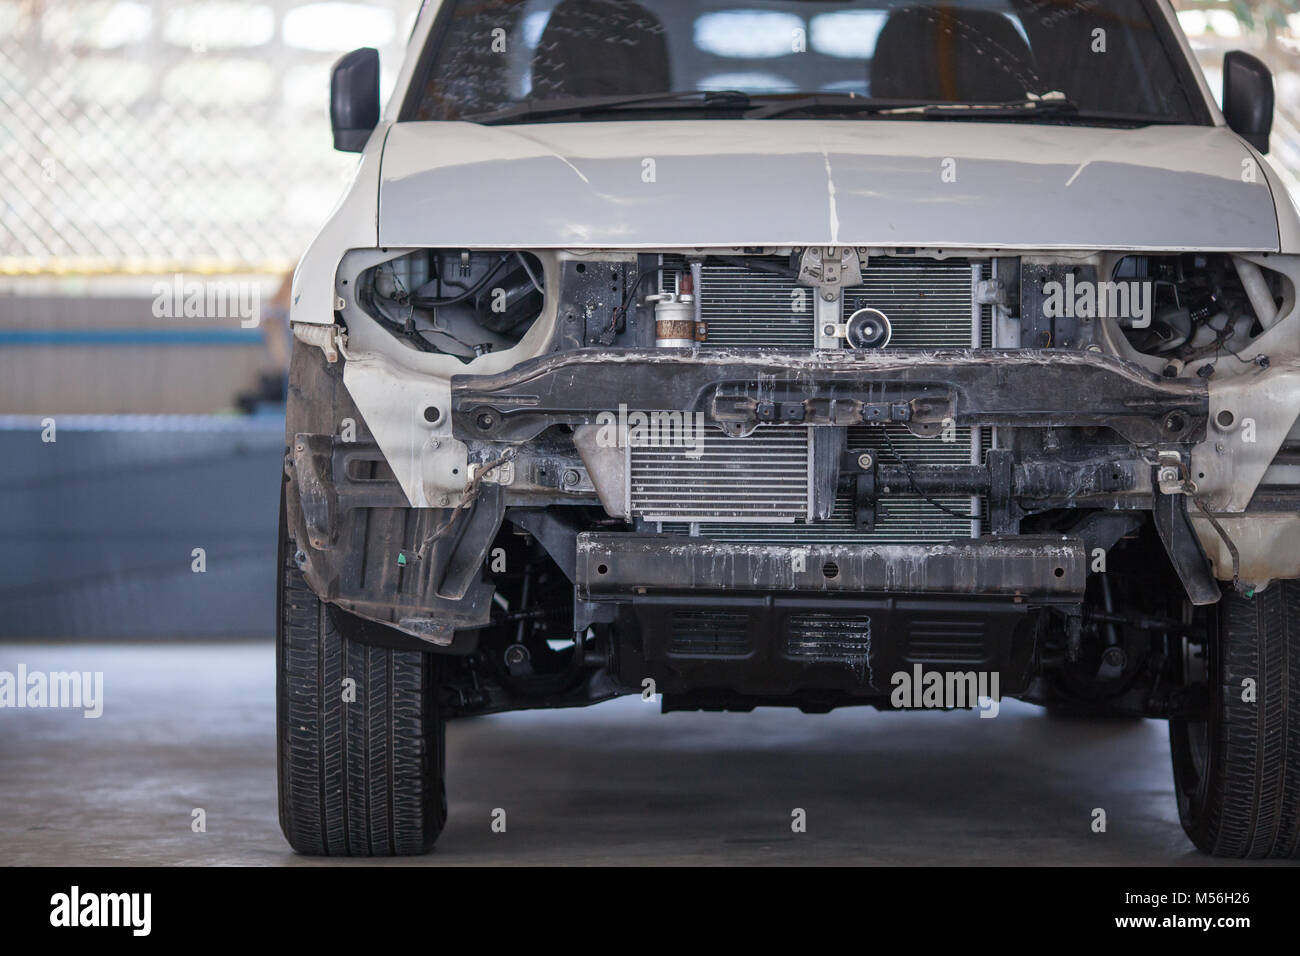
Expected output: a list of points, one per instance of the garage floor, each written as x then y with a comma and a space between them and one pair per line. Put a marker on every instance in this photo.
190, 726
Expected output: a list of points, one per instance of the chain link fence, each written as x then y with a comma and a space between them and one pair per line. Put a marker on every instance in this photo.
143, 136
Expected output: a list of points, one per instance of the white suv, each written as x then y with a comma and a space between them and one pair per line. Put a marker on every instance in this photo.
908, 353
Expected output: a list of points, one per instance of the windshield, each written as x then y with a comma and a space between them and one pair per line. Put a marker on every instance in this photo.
1113, 57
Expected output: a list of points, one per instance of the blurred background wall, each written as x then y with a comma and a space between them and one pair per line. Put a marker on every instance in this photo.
148, 149
151, 146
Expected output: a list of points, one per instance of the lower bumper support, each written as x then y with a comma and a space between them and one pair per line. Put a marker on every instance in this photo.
623, 567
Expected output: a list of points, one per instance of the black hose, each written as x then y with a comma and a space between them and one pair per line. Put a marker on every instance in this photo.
427, 302
397, 329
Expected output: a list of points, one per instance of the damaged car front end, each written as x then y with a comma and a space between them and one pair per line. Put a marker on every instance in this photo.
738, 520
597, 411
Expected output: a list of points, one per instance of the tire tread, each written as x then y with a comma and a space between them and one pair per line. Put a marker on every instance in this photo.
1252, 801
362, 778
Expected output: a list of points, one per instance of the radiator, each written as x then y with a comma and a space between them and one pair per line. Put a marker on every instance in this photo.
902, 519
929, 303
761, 478
758, 489
744, 308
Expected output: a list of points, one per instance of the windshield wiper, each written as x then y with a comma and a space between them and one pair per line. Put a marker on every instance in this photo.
1050, 104
770, 106
543, 109
1047, 105
783, 104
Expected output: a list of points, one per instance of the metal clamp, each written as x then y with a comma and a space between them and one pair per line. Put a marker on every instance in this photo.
830, 267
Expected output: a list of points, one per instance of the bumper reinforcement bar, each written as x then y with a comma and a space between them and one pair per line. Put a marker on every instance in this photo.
627, 567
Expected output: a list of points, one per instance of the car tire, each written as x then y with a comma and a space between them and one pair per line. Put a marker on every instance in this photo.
1237, 773
361, 776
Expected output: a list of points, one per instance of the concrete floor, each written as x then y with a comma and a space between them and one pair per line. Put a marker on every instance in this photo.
192, 725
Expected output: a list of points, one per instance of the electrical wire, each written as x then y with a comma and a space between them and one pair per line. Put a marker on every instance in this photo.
911, 479
427, 302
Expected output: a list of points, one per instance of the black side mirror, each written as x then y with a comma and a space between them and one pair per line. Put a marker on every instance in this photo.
1248, 98
354, 99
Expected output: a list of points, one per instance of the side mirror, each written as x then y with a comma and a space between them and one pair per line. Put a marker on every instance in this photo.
1248, 98
354, 99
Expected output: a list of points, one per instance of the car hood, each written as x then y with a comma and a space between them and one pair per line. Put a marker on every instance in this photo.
840, 182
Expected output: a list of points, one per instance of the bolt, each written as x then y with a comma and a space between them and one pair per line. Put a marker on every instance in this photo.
1167, 475
1114, 657
486, 420
571, 477
865, 462
516, 654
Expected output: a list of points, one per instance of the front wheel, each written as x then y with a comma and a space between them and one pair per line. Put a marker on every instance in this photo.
1237, 772
360, 739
